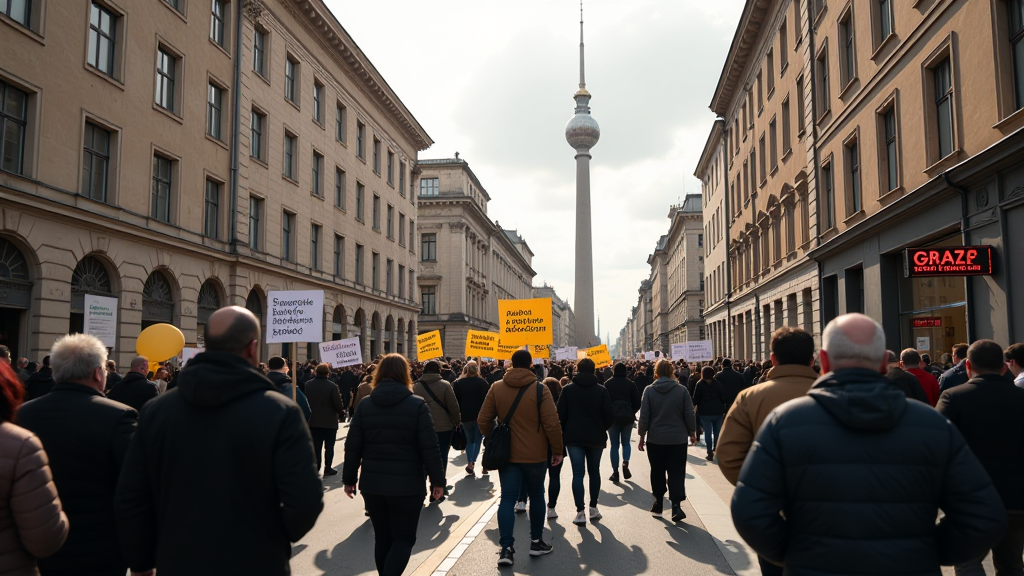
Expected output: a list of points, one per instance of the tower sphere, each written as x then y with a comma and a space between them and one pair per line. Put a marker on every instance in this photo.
582, 132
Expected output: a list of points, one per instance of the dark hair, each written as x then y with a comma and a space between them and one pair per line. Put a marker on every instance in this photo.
707, 373
275, 363
586, 366
46, 360
960, 350
619, 370
554, 386
322, 370
910, 356
1015, 352
392, 367
986, 357
5, 352
726, 363
12, 392
926, 359
522, 359
792, 346
432, 367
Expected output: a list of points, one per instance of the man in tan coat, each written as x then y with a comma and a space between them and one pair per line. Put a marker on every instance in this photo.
791, 377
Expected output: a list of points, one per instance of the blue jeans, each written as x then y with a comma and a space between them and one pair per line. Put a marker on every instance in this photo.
444, 445
585, 460
471, 430
620, 434
513, 477
712, 424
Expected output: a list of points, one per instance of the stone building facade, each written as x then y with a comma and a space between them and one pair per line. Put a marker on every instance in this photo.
185, 155
677, 278
467, 261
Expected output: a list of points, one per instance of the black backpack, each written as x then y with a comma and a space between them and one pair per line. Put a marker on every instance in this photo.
499, 445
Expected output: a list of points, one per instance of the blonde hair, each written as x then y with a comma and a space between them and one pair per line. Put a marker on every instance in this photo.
471, 369
665, 369
392, 367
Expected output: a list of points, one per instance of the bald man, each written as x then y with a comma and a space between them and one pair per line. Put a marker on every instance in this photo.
220, 477
859, 474
135, 389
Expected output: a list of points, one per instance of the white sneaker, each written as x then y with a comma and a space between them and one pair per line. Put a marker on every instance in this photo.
595, 514
581, 518
520, 507
552, 513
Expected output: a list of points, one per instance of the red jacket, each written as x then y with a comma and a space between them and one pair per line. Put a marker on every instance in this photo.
929, 383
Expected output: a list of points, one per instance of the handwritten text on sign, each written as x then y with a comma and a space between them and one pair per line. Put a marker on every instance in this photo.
340, 353
428, 346
295, 316
525, 322
600, 356
480, 343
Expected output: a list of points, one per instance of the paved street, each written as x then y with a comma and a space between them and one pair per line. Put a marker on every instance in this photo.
459, 537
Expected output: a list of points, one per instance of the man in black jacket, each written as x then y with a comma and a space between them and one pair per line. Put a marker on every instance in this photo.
278, 376
347, 384
625, 404
86, 438
219, 478
987, 410
850, 478
327, 409
956, 375
40, 383
732, 382
905, 381
134, 389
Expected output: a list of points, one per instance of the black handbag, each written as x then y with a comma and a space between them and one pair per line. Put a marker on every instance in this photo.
458, 440
499, 445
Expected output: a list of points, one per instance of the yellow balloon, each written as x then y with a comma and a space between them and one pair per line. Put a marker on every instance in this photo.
160, 342
153, 367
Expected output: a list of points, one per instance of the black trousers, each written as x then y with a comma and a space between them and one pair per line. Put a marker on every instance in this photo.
768, 569
323, 440
394, 519
668, 459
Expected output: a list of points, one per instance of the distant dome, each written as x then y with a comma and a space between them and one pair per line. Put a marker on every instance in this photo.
582, 132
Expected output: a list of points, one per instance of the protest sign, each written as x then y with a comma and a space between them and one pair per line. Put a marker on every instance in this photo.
539, 351
483, 344
101, 319
567, 353
428, 346
525, 322
600, 355
188, 354
295, 316
339, 353
648, 356
679, 351
581, 354
696, 351
505, 351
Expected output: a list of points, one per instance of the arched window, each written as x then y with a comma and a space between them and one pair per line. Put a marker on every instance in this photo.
90, 277
157, 300
15, 296
207, 303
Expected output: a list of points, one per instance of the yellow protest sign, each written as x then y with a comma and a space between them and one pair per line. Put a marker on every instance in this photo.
600, 355
479, 343
525, 322
539, 351
428, 346
581, 354
505, 351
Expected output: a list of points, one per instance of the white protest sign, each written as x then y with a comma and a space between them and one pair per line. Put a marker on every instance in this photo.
568, 353
924, 343
698, 351
295, 316
188, 354
679, 351
648, 356
341, 352
101, 319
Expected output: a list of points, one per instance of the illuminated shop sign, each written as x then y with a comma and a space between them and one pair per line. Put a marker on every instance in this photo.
948, 261
931, 322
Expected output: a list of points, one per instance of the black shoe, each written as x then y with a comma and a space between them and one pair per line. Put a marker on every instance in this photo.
615, 476
539, 548
710, 456
507, 557
625, 471
330, 471
677, 513
658, 507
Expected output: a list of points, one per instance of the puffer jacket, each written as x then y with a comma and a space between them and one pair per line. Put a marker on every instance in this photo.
859, 474
446, 414
32, 524
585, 411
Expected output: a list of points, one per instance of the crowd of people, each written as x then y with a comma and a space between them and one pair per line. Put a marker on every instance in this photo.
842, 457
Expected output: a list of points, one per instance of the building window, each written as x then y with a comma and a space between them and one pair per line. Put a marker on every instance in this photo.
391, 221
770, 63
214, 103
259, 52
1016, 18
389, 268
161, 205
318, 174
18, 10
412, 239
314, 246
824, 98
853, 174
291, 79
401, 281
360, 204
783, 48
13, 122
360, 140
339, 188
95, 162
760, 95
429, 298
773, 144
943, 80
376, 156
401, 229
829, 195
211, 210
401, 179
217, 14
165, 75
700, 240
376, 212
885, 18
430, 186
255, 214
890, 149
848, 64
102, 38
374, 271
256, 123
339, 256
428, 250
340, 123
289, 156
391, 167
318, 99
787, 144
801, 107
287, 236
761, 150
359, 264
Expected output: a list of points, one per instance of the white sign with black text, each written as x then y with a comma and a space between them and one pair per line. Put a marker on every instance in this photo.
341, 353
295, 316
101, 319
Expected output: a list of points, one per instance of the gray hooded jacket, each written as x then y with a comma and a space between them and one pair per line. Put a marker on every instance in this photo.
666, 413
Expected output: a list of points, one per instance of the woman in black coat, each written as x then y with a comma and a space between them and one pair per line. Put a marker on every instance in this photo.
709, 400
392, 438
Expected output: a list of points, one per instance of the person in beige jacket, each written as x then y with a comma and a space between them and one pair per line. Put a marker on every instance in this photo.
32, 523
444, 407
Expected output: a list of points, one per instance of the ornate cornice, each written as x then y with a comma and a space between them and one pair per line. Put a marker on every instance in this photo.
744, 46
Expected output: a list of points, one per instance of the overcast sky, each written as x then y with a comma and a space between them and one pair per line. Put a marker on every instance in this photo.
494, 79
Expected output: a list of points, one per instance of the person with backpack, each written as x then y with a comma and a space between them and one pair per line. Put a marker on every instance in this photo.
444, 408
517, 447
585, 411
709, 401
625, 404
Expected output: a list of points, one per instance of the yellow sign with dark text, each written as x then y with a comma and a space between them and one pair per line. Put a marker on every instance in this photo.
600, 355
480, 343
539, 351
525, 322
505, 351
428, 346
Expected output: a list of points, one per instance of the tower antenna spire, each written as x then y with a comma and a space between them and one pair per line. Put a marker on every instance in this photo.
583, 81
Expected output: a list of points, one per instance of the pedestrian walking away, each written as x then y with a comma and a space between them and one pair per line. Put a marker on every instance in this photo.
134, 389
585, 412
444, 408
625, 404
666, 422
326, 410
470, 391
709, 405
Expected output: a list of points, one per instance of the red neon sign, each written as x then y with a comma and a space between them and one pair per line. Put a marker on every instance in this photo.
931, 322
951, 261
